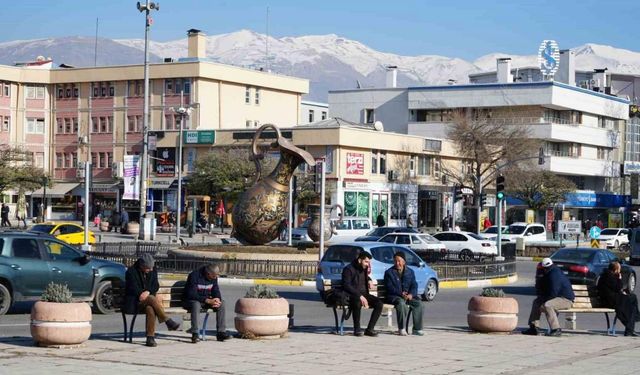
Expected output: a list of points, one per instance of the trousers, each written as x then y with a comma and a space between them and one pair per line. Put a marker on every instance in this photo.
197, 306
356, 308
550, 309
153, 309
402, 311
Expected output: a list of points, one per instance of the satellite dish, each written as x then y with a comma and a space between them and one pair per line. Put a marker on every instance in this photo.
378, 126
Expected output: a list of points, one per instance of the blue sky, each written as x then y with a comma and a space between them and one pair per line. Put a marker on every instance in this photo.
455, 28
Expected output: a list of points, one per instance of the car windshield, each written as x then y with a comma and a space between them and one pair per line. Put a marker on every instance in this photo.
573, 255
428, 239
473, 235
609, 232
341, 253
516, 229
494, 230
379, 232
42, 228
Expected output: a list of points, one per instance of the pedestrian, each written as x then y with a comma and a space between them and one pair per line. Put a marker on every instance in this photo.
202, 293
402, 292
4, 211
141, 286
553, 229
409, 221
554, 293
282, 230
380, 220
116, 221
445, 223
355, 282
124, 221
614, 296
487, 223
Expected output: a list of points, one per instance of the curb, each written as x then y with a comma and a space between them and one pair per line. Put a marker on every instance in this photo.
478, 283
535, 259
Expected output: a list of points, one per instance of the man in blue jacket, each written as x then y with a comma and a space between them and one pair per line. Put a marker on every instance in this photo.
554, 293
402, 292
202, 293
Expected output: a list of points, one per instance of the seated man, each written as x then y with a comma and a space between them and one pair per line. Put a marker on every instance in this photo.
202, 292
355, 282
141, 286
554, 293
402, 290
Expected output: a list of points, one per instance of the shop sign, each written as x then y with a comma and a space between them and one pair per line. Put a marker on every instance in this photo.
200, 137
631, 167
569, 227
356, 185
355, 163
166, 165
428, 194
164, 183
153, 142
103, 188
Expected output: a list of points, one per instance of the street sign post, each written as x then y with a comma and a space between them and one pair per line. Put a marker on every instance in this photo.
594, 232
569, 227
595, 244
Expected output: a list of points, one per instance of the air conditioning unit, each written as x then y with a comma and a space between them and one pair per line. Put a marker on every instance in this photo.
392, 175
117, 170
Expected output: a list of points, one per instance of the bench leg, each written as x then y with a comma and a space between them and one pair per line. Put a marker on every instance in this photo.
571, 321
133, 322
406, 327
203, 331
346, 313
390, 319
335, 317
611, 328
124, 323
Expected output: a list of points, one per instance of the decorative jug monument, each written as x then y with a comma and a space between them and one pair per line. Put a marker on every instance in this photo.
261, 208
329, 227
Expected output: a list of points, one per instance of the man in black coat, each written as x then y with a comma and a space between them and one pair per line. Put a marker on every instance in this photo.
355, 282
202, 293
141, 286
554, 293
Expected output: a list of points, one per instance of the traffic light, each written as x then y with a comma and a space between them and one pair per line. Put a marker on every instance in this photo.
484, 200
500, 187
458, 193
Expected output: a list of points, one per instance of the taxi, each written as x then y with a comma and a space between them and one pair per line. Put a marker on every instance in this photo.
70, 233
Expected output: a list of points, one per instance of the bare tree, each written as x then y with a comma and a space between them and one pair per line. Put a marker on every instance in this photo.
537, 189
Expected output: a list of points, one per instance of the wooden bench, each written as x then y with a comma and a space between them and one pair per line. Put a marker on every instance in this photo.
170, 293
587, 302
377, 290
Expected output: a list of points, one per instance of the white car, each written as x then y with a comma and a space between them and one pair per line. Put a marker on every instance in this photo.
346, 230
467, 244
614, 237
415, 241
491, 233
533, 232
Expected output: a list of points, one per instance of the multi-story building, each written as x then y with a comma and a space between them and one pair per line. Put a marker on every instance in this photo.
69, 115
311, 112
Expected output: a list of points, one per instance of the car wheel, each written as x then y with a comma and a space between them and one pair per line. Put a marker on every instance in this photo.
616, 244
5, 299
104, 302
466, 255
430, 290
631, 282
625, 247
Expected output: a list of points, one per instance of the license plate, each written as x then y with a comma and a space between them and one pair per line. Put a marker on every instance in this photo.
336, 270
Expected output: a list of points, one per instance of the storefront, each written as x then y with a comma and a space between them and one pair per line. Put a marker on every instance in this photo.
163, 192
61, 203
369, 199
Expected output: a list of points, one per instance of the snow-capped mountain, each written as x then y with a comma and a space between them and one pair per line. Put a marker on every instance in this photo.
329, 61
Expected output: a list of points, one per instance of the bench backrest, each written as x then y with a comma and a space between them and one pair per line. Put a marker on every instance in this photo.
170, 292
376, 289
586, 297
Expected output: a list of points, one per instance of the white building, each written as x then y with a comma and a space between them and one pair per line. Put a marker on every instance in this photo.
313, 111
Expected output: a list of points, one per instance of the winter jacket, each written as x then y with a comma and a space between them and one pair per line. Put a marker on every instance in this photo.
609, 288
395, 286
555, 284
199, 288
137, 282
355, 280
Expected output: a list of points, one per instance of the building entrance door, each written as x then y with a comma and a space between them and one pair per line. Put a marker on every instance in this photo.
427, 212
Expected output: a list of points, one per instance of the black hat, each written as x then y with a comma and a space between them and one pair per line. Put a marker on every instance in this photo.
401, 255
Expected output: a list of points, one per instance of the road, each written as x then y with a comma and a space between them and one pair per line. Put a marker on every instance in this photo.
448, 309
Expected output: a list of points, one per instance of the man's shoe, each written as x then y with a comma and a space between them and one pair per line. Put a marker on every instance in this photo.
631, 333
417, 332
222, 336
151, 342
532, 331
358, 333
555, 332
195, 338
172, 325
370, 333
402, 332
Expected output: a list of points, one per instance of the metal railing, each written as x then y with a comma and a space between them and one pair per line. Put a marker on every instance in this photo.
134, 249
474, 271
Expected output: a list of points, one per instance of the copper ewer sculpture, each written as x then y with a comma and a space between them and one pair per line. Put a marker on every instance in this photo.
259, 211
329, 227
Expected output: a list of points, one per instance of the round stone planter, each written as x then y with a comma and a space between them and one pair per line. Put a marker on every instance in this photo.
492, 314
104, 226
56, 324
133, 228
262, 317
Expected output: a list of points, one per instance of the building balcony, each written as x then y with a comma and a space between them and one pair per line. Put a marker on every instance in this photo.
569, 164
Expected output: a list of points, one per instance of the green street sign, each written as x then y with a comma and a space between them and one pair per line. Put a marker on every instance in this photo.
199, 137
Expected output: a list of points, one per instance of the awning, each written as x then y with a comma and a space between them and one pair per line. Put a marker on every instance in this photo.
58, 190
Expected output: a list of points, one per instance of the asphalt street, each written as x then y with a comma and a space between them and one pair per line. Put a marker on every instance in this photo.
448, 309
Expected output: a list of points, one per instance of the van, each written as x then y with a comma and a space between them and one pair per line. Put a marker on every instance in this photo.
347, 230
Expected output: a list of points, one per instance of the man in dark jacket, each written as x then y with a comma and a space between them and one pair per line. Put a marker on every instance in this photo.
141, 286
380, 220
554, 293
202, 293
355, 282
402, 292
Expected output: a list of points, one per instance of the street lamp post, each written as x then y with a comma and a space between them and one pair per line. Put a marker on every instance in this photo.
147, 7
45, 182
183, 112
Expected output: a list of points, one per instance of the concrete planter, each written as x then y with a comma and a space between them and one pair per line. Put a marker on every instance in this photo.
54, 324
492, 314
104, 226
262, 317
133, 228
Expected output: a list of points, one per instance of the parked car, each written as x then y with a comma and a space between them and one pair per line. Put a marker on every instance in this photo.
346, 230
70, 233
379, 232
417, 242
585, 265
29, 261
340, 255
533, 232
467, 244
614, 237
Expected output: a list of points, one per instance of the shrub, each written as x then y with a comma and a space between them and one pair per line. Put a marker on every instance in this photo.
56, 293
492, 292
261, 291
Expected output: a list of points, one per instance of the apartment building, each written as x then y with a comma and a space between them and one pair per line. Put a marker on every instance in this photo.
66, 116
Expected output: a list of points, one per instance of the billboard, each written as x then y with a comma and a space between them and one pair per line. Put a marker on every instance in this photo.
355, 163
131, 177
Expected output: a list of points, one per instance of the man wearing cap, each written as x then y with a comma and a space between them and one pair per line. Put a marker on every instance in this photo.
355, 282
141, 286
402, 292
554, 293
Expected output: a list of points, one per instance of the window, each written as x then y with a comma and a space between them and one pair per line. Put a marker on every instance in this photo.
134, 88
187, 86
398, 209
412, 166
6, 89
248, 123
383, 162
75, 125
103, 159
59, 160
356, 204
411, 258
109, 159
432, 145
59, 125
134, 124
95, 125
247, 95
94, 158
424, 165
35, 125
104, 126
169, 122
403, 240
311, 115
178, 86
341, 253
374, 161
168, 86
25, 248
30, 92
74, 160
257, 96
38, 158
60, 252
603, 153
368, 116
323, 115
60, 91
6, 123
68, 125
383, 254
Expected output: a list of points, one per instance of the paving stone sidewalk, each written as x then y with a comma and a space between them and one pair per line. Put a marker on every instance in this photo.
315, 351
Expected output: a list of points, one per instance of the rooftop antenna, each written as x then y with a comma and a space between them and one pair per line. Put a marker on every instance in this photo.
95, 49
266, 59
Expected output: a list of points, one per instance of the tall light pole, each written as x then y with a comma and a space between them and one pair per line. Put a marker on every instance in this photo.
184, 112
144, 234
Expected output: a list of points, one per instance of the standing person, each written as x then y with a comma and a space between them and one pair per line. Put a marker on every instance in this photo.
380, 220
445, 223
282, 230
553, 229
409, 221
5, 216
402, 292
141, 286
487, 223
124, 221
554, 293
202, 293
116, 221
614, 296
355, 282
